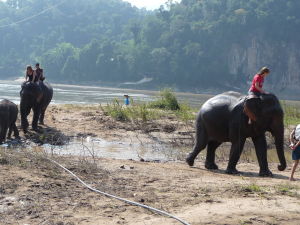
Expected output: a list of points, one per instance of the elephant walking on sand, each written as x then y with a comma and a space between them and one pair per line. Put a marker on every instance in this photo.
8, 117
225, 118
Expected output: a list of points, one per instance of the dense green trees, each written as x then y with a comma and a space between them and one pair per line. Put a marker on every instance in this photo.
192, 45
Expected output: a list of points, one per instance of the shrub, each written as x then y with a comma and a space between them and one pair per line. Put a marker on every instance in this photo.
117, 111
167, 100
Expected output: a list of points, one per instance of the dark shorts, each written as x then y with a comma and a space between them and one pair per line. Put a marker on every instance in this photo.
296, 153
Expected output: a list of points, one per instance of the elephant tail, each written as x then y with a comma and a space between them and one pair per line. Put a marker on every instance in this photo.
201, 141
201, 134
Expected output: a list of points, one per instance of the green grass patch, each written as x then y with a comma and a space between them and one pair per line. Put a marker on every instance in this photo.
165, 106
117, 111
291, 113
289, 190
252, 188
134, 112
165, 100
186, 113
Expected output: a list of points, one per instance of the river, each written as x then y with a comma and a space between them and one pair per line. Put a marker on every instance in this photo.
79, 94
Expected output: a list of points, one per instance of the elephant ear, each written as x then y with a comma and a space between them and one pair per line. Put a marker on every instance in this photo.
252, 107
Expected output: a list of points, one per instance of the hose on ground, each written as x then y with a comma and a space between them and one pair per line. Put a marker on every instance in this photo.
119, 198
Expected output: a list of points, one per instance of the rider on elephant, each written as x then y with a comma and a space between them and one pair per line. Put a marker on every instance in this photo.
256, 88
39, 73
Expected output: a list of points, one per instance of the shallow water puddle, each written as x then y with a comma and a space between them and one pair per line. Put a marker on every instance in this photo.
96, 147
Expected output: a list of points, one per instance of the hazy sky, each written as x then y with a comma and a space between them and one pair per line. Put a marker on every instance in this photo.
149, 4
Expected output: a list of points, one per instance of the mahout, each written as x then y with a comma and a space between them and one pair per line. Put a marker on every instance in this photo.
233, 117
8, 117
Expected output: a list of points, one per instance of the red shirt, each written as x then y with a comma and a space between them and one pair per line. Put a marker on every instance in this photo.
257, 79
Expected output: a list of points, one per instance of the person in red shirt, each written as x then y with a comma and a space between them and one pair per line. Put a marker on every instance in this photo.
258, 82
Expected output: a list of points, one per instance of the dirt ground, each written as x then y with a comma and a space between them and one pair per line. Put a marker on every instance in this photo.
34, 191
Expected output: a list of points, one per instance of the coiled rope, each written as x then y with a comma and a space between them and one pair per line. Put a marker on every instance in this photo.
119, 198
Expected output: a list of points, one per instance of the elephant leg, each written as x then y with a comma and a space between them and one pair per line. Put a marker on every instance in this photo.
36, 115
2, 136
9, 132
201, 142
15, 129
235, 153
41, 120
210, 155
24, 113
3, 133
260, 145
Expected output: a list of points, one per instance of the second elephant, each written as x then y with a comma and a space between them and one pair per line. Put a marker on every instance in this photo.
8, 117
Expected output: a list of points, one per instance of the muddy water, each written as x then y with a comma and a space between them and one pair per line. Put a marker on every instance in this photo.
96, 147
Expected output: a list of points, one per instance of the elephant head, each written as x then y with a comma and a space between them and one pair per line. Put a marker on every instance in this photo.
30, 95
267, 114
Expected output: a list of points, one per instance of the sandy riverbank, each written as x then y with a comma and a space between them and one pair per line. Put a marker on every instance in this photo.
33, 191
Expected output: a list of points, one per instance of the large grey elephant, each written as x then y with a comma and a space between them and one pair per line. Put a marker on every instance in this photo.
8, 117
225, 118
35, 96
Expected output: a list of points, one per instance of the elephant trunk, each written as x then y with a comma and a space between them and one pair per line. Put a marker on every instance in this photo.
278, 133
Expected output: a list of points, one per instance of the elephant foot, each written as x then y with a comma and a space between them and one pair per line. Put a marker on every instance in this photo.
41, 122
265, 173
36, 129
281, 167
211, 166
232, 171
189, 161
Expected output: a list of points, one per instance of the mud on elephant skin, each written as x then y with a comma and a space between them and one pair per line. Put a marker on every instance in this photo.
8, 117
36, 97
223, 119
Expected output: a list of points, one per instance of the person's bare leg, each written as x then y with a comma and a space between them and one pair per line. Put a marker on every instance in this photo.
296, 162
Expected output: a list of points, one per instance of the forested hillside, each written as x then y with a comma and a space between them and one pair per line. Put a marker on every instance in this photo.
194, 45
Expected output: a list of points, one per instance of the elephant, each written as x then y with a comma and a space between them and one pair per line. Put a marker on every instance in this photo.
35, 96
8, 117
233, 117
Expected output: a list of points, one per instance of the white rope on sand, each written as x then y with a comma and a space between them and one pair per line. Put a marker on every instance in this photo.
119, 198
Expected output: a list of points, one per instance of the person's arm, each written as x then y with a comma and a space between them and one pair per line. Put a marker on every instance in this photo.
33, 76
258, 88
26, 76
292, 136
296, 145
